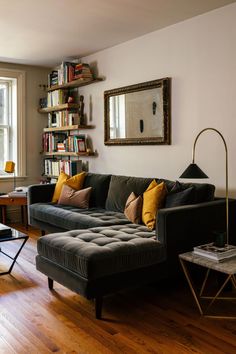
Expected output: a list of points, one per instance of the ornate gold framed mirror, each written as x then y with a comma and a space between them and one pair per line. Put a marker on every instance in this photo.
138, 114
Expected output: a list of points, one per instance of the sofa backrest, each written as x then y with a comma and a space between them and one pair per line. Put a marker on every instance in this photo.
100, 185
203, 192
122, 186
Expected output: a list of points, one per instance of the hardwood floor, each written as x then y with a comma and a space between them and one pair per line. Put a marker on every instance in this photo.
155, 319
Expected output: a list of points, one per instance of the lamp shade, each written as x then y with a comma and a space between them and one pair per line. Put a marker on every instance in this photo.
193, 171
10, 167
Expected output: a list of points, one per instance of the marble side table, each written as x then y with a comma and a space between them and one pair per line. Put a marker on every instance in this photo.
227, 267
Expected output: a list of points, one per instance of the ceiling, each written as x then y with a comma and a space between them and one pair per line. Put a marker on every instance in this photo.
46, 32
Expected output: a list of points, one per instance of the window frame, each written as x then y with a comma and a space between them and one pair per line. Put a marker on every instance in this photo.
7, 123
20, 148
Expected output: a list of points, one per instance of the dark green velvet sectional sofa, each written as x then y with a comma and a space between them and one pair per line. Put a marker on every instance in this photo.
98, 251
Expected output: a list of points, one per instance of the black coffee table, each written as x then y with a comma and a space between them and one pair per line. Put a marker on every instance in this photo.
15, 236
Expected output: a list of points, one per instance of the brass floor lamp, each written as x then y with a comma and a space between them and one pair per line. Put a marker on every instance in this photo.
193, 171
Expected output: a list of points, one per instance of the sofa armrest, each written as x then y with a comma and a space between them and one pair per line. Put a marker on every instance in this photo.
182, 228
40, 193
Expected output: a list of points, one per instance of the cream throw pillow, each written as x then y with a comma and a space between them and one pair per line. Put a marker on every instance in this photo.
79, 199
133, 208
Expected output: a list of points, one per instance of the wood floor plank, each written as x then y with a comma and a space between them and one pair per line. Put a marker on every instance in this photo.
160, 319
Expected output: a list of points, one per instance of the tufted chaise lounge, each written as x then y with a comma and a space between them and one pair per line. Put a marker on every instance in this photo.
91, 261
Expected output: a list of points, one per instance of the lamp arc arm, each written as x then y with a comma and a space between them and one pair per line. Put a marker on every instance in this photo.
226, 173
200, 133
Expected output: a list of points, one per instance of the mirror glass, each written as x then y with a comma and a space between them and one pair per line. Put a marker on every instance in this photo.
138, 114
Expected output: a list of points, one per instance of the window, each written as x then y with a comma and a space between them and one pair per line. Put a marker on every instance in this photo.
12, 122
6, 131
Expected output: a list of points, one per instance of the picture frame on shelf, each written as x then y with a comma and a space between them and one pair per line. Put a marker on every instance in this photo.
82, 145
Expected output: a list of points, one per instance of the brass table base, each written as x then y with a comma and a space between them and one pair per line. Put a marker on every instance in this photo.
198, 296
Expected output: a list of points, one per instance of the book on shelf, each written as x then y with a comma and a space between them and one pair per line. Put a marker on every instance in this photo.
57, 97
51, 140
67, 72
63, 119
43, 102
5, 231
53, 78
61, 147
213, 252
53, 167
80, 143
82, 71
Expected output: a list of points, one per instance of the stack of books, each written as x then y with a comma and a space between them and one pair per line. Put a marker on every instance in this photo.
69, 71
62, 119
54, 167
53, 77
57, 97
50, 141
19, 192
212, 252
83, 71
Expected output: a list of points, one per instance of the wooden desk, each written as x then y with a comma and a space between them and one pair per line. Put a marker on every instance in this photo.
5, 200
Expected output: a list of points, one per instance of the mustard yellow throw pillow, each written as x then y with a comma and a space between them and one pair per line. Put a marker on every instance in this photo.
61, 179
76, 182
153, 199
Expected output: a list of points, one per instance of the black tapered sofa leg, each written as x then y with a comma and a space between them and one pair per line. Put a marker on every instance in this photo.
50, 283
98, 307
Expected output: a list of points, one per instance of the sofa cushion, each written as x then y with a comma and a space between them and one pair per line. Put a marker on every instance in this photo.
153, 199
121, 187
100, 251
133, 208
180, 198
203, 192
100, 185
69, 218
179, 195
77, 198
76, 182
63, 177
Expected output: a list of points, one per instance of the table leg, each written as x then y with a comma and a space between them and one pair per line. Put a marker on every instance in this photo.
26, 216
4, 214
190, 283
204, 282
22, 213
219, 291
13, 258
212, 298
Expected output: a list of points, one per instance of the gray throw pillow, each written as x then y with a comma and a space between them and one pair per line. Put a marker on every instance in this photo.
179, 197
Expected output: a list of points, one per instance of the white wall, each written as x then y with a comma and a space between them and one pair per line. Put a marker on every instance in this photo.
200, 56
34, 124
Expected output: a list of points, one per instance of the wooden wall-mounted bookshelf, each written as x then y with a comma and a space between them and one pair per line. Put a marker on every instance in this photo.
69, 127
75, 84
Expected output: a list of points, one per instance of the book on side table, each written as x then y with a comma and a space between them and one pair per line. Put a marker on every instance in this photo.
218, 254
5, 231
18, 192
